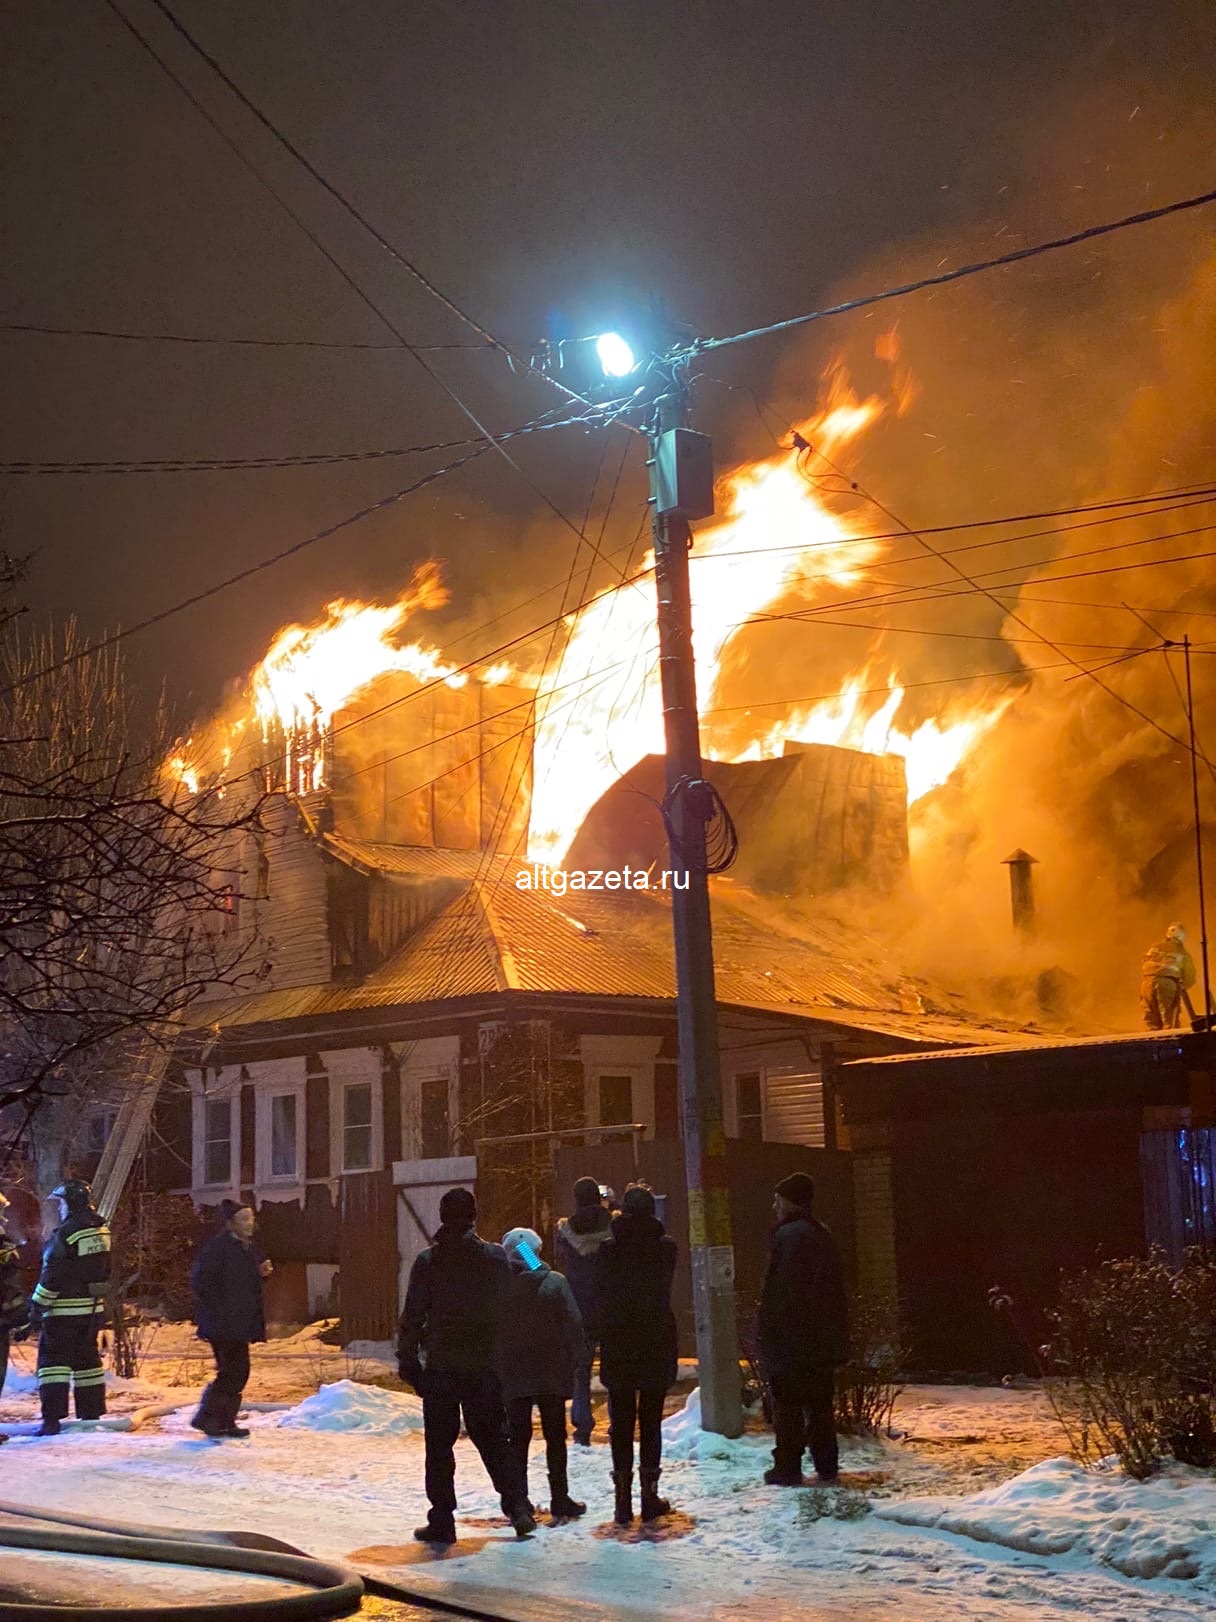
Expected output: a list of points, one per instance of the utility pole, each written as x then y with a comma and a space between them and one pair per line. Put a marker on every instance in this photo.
1203, 911
681, 484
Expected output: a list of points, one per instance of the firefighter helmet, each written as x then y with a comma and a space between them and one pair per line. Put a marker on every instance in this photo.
75, 1194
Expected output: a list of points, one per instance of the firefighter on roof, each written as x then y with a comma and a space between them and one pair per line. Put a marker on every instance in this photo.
67, 1307
1167, 971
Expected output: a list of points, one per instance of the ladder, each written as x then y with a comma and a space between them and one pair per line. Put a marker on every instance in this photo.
134, 1118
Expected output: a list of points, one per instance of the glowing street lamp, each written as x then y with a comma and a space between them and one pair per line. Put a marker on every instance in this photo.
616, 358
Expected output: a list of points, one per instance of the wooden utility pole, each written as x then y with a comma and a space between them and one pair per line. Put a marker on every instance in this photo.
681, 486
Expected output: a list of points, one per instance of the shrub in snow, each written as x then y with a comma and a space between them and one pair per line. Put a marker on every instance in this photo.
347, 1406
1132, 1361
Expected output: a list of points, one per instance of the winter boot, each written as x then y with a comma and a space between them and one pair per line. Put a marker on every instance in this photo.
561, 1506
523, 1520
49, 1427
652, 1505
622, 1480
443, 1534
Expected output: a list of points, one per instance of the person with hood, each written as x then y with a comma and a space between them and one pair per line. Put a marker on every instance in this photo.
68, 1306
804, 1334
447, 1349
576, 1243
540, 1345
638, 1346
1167, 971
227, 1284
14, 1307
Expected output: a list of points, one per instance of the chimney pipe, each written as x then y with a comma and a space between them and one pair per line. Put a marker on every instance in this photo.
1021, 890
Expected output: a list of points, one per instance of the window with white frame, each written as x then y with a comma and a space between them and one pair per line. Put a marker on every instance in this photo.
357, 1102
217, 1141
434, 1129
284, 1141
749, 1104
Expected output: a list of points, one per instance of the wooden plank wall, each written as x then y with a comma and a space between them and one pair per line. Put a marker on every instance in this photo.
367, 1256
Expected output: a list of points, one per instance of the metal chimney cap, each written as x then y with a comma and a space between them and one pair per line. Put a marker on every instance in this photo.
1020, 855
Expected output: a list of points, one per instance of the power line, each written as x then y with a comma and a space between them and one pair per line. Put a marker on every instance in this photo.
230, 464
356, 214
1013, 613
197, 597
344, 202
125, 335
1144, 217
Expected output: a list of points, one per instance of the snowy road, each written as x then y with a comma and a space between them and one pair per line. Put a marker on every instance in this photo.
737, 1550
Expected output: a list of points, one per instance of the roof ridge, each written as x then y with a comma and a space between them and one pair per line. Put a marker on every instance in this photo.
505, 970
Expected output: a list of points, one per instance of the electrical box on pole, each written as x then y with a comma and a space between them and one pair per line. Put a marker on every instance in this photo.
683, 474
682, 488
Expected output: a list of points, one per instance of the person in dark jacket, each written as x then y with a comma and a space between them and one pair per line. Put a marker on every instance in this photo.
447, 1349
638, 1361
14, 1307
227, 1284
804, 1334
68, 1306
577, 1240
540, 1345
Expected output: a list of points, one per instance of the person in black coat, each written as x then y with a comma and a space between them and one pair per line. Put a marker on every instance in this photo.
227, 1284
804, 1334
638, 1346
540, 1345
447, 1349
577, 1240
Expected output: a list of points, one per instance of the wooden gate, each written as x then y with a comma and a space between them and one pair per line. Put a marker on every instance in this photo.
367, 1256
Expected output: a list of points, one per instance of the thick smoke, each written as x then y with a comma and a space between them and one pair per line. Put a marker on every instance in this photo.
1083, 377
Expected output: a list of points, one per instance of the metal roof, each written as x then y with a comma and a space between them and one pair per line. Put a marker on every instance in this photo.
496, 938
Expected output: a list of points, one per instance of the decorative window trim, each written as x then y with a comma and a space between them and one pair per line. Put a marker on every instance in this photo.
428, 1059
213, 1086
354, 1067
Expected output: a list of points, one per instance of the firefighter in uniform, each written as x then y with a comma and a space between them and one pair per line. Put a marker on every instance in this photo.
68, 1305
1167, 971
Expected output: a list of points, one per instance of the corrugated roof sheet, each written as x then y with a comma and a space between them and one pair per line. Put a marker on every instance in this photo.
495, 937
1012, 1045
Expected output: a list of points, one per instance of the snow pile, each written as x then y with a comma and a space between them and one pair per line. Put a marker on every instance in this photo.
1164, 1527
684, 1439
348, 1406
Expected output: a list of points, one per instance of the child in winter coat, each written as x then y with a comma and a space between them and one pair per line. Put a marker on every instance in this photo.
540, 1342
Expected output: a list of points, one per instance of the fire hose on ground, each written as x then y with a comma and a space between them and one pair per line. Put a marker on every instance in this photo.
331, 1589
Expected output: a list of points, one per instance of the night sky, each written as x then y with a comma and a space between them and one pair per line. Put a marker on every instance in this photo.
544, 161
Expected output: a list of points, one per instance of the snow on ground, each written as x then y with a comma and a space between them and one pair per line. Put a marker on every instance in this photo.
971, 1514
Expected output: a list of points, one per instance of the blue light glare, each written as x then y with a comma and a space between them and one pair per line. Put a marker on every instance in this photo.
615, 356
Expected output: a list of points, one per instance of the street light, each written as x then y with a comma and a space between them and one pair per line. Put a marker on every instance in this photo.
616, 358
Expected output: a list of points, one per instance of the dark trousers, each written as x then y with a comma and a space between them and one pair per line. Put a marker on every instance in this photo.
3, 1357
553, 1429
222, 1399
68, 1357
446, 1395
628, 1407
802, 1418
581, 1416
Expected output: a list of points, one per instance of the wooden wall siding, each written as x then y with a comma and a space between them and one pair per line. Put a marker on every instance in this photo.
425, 772
666, 1098
294, 916
793, 1106
295, 1233
248, 1136
316, 1126
1178, 1174
390, 1092
367, 1256
168, 1144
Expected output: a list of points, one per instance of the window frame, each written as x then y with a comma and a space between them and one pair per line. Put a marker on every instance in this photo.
228, 1102
346, 1087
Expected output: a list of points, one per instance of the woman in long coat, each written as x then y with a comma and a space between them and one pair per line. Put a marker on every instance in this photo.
227, 1284
638, 1361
